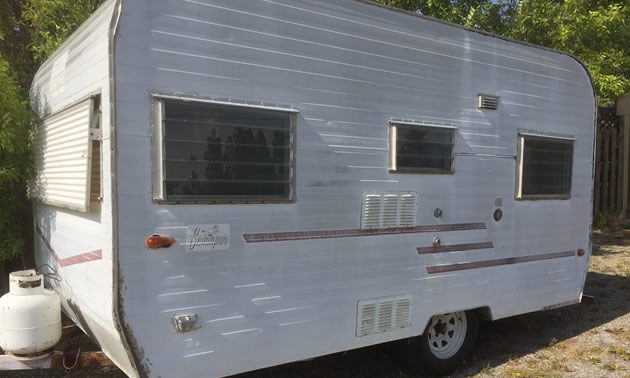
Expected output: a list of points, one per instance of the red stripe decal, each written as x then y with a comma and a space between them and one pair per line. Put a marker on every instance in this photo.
505, 261
72, 260
454, 247
265, 237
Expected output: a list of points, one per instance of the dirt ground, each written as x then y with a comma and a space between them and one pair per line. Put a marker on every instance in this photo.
586, 340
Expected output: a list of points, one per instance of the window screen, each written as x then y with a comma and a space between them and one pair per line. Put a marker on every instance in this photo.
421, 148
545, 167
222, 152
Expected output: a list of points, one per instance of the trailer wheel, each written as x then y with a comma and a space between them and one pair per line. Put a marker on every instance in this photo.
447, 340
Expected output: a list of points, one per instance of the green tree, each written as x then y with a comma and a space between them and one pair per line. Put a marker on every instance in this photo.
50, 22
14, 45
30, 30
597, 31
15, 159
490, 15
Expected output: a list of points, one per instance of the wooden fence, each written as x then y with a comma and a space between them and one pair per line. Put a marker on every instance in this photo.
608, 162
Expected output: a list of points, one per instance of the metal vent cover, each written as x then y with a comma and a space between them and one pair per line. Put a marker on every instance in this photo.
383, 314
485, 101
388, 210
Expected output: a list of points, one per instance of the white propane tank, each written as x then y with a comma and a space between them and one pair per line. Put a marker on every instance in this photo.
30, 315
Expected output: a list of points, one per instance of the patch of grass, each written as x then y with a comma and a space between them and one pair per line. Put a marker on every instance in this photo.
552, 342
556, 365
598, 350
530, 373
618, 351
605, 221
485, 370
623, 336
610, 367
594, 360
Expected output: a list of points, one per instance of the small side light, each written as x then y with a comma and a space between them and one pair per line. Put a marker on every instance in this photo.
159, 241
581, 252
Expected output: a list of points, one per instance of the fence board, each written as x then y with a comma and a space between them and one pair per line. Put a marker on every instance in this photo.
606, 169
620, 166
598, 171
609, 168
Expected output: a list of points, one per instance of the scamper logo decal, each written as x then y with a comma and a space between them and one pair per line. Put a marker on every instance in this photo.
207, 237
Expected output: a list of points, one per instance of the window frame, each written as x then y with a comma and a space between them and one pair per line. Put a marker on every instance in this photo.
159, 164
392, 135
522, 136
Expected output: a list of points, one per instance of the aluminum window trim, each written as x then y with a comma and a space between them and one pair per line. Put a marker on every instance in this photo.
393, 132
519, 167
159, 190
547, 136
422, 123
226, 102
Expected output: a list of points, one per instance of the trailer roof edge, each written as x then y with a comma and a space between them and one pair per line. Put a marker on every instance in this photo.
486, 33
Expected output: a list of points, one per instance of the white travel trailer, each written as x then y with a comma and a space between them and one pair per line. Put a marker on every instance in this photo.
328, 174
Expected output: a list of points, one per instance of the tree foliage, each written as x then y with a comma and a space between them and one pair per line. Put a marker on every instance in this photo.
597, 31
30, 30
15, 162
50, 22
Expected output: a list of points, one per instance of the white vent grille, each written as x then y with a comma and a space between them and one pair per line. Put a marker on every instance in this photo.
388, 210
383, 314
485, 101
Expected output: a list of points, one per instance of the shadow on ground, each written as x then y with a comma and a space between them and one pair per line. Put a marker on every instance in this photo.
611, 242
498, 342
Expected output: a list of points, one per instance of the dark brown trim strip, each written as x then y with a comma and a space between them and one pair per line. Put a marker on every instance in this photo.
454, 247
265, 237
505, 261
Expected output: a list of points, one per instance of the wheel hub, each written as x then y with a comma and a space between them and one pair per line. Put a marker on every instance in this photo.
446, 334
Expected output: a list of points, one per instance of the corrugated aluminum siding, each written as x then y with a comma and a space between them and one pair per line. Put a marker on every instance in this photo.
349, 68
63, 154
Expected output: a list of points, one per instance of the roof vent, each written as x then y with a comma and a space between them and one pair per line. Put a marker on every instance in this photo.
485, 101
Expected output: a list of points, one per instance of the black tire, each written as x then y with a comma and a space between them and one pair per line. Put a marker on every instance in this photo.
426, 359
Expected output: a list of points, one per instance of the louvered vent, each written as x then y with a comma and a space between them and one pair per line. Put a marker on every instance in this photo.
485, 101
383, 314
388, 210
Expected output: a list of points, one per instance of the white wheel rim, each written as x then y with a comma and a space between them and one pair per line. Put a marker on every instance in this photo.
446, 334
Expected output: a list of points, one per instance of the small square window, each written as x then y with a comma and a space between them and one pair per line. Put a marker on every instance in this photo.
224, 153
545, 167
421, 148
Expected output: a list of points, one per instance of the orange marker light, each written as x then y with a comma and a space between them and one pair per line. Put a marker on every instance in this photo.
159, 241
581, 252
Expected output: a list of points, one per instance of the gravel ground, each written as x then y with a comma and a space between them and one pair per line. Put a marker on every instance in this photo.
586, 340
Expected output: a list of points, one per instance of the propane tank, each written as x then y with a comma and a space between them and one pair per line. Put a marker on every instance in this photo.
30, 315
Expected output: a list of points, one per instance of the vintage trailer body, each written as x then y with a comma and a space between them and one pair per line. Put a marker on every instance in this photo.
341, 248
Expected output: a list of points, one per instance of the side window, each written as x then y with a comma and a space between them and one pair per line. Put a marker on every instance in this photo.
421, 148
67, 157
224, 153
545, 167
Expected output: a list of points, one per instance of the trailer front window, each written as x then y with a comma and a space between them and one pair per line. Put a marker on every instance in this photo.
544, 167
218, 152
421, 148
